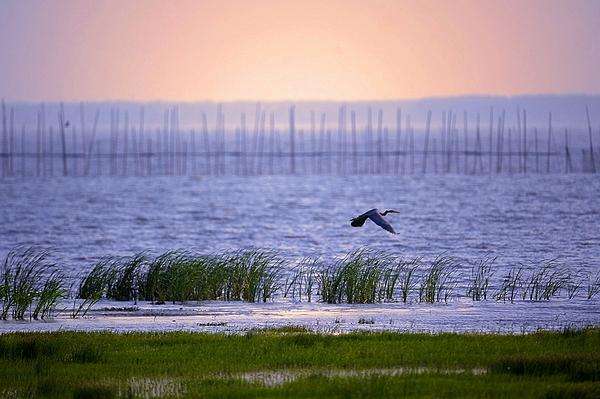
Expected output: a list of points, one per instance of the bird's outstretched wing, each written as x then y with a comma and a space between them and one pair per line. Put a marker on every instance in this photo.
359, 220
381, 222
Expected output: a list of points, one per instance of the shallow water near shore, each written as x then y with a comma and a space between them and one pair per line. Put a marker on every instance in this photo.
461, 315
518, 219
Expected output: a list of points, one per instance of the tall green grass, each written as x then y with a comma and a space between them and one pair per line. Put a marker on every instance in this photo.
481, 275
49, 295
407, 278
29, 282
359, 277
593, 285
545, 282
302, 280
125, 273
438, 282
179, 276
510, 285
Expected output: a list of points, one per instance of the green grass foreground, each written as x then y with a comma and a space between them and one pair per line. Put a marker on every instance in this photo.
106, 365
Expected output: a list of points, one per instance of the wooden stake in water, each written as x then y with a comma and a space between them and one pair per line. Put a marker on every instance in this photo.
38, 133
292, 140
405, 147
23, 151
11, 143
519, 152
510, 151
451, 125
535, 147
466, 136
443, 141
434, 151
329, 152
379, 141
369, 142
4, 142
50, 147
549, 142
426, 145
83, 132
243, 144
354, 142
321, 143
478, 147
592, 160
271, 142
63, 139
140, 140
149, 157
525, 144
90, 146
74, 150
568, 166
254, 143
398, 140
491, 133
125, 145
412, 150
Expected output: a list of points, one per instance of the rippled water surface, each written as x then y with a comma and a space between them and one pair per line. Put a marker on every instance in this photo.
516, 218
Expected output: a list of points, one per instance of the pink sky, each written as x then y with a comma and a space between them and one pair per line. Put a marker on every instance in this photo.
277, 50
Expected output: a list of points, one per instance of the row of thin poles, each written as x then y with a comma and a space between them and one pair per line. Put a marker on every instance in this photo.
259, 147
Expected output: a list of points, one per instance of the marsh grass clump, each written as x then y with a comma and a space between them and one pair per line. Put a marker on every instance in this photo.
125, 273
398, 278
27, 278
545, 282
180, 276
48, 296
155, 283
574, 282
359, 277
97, 280
331, 284
94, 285
252, 275
593, 285
406, 275
302, 279
510, 285
438, 282
479, 282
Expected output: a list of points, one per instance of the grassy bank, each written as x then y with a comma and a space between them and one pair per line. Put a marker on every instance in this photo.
294, 363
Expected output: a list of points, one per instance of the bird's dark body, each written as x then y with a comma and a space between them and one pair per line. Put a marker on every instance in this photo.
376, 217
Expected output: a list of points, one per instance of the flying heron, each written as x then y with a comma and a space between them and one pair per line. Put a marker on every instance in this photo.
376, 217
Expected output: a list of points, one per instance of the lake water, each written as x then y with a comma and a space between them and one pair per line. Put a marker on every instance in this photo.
518, 219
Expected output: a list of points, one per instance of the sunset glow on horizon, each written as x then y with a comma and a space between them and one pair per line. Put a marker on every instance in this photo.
295, 50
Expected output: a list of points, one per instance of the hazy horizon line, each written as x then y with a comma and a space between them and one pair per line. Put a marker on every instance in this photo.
293, 101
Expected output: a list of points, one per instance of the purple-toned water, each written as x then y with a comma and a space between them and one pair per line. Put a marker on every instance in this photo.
515, 218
